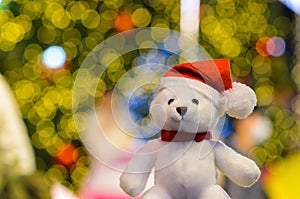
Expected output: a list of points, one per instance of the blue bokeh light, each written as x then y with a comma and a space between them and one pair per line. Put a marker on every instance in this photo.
54, 57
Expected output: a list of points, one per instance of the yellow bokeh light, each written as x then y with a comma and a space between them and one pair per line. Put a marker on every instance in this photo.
26, 90
227, 28
12, 32
141, 17
33, 9
115, 76
160, 23
242, 22
225, 8
31, 71
98, 37
67, 127
175, 14
76, 8
257, 23
271, 31
36, 141
259, 155
45, 108
231, 47
52, 7
24, 21
115, 4
90, 42
240, 67
296, 74
63, 122
143, 36
209, 25
66, 100
109, 15
45, 128
52, 94
261, 65
4, 16
79, 173
6, 46
111, 18
116, 64
283, 24
70, 49
160, 35
72, 35
32, 116
55, 144
55, 174
90, 19
106, 56
63, 79
265, 95
101, 88
257, 8
61, 18
46, 35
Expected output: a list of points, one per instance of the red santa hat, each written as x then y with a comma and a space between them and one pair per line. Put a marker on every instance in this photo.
213, 78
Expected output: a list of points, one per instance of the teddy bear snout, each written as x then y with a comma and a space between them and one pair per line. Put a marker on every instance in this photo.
181, 110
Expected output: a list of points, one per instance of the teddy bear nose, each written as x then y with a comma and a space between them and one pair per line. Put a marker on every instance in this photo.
181, 110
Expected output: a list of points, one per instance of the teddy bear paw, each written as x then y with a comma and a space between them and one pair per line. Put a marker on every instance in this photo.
130, 185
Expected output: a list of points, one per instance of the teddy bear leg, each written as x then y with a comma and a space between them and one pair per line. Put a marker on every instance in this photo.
156, 192
214, 192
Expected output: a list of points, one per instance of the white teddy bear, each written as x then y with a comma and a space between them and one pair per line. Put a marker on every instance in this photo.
189, 101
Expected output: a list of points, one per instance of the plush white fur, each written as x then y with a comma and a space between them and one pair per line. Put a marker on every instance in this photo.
186, 169
240, 100
15, 147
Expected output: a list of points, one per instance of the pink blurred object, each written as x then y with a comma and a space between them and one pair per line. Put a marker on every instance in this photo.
111, 149
103, 182
59, 191
91, 195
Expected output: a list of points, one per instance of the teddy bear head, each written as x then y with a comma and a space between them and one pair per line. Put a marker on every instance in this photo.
181, 108
192, 97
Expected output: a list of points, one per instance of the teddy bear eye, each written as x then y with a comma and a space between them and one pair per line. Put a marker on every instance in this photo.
195, 101
170, 101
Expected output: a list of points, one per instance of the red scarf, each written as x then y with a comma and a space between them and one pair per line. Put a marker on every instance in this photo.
169, 136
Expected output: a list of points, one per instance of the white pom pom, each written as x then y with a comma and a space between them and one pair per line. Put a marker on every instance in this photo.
241, 100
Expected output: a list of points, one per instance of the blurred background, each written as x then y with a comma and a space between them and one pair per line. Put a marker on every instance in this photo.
44, 42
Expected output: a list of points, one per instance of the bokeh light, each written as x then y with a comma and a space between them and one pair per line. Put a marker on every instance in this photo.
276, 46
123, 22
261, 46
141, 17
67, 155
54, 57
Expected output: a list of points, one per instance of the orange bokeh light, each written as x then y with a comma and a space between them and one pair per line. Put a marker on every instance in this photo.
123, 22
261, 46
67, 155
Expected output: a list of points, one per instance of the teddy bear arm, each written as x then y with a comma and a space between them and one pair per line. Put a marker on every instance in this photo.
240, 169
134, 178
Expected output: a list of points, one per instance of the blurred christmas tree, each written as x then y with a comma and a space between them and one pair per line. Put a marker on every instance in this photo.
255, 34
258, 37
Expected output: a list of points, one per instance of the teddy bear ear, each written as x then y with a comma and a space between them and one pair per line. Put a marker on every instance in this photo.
240, 100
